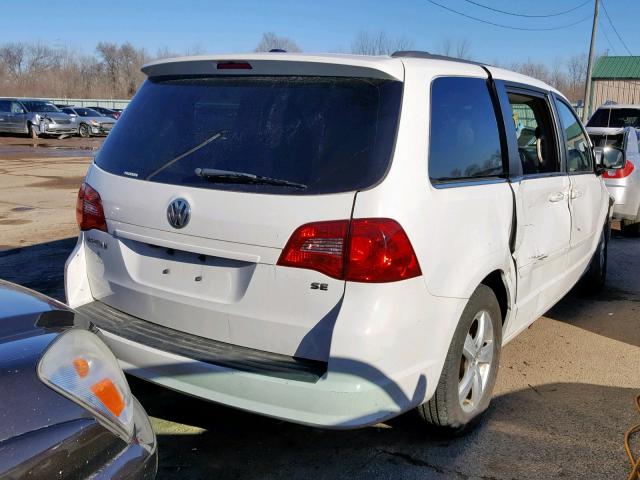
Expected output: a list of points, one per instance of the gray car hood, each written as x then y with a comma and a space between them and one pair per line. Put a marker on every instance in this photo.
54, 115
29, 322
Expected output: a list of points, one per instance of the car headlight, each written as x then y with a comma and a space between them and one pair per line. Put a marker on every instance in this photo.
94, 123
81, 367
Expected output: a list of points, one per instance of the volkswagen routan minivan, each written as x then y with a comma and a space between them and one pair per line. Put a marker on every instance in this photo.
334, 239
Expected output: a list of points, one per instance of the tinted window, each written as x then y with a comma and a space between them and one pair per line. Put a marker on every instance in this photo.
40, 106
5, 106
579, 158
87, 112
536, 136
331, 134
16, 108
464, 141
615, 118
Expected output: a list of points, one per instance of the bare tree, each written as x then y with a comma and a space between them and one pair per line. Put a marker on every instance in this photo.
379, 43
576, 76
272, 41
460, 48
12, 56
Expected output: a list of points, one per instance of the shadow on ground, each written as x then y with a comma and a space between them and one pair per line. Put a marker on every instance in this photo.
581, 422
614, 312
39, 267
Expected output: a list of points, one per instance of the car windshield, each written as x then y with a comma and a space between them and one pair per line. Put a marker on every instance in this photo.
330, 134
39, 106
87, 112
615, 118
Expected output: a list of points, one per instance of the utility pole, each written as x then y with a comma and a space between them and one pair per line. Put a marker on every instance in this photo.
592, 53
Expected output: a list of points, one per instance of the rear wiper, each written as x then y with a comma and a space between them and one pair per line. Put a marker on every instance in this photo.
164, 166
213, 174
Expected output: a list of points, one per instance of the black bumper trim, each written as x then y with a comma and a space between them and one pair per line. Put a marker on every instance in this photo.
202, 349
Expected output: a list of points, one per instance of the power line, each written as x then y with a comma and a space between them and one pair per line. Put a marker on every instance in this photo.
615, 30
508, 26
524, 14
607, 38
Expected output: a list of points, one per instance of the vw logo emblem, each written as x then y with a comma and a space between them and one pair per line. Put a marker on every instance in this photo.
178, 213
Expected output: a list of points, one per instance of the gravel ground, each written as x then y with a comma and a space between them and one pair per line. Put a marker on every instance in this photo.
562, 403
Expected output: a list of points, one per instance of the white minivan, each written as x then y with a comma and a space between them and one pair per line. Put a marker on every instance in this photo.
332, 239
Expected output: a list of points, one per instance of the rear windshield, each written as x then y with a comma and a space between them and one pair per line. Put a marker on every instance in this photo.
87, 112
328, 134
615, 118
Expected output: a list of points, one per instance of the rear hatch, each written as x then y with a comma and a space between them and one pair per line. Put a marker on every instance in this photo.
209, 172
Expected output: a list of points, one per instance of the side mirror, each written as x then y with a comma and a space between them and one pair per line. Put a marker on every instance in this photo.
611, 158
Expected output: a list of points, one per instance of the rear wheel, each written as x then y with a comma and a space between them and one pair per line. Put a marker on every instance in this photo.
469, 373
84, 131
594, 278
31, 131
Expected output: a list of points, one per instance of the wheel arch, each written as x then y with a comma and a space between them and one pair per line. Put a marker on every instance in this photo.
496, 281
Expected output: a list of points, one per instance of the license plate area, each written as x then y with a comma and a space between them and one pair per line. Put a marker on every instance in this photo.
182, 273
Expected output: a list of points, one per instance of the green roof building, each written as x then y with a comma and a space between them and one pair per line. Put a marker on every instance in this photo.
615, 79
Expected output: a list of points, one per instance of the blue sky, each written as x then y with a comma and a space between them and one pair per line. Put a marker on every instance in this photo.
217, 26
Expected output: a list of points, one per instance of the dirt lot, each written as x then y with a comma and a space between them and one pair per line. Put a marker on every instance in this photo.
563, 401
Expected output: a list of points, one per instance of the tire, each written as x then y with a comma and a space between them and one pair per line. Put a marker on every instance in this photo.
451, 410
84, 131
630, 229
594, 278
31, 132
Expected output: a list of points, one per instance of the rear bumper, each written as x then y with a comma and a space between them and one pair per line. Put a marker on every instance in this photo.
627, 200
386, 351
340, 400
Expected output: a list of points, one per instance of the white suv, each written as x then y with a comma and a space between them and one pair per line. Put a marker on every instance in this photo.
333, 239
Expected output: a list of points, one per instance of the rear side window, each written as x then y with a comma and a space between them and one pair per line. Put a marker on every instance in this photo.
326, 134
464, 141
579, 158
535, 133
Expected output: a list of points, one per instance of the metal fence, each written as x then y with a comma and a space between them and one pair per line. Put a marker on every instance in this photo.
88, 102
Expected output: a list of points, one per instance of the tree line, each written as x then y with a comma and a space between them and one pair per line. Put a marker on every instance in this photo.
113, 70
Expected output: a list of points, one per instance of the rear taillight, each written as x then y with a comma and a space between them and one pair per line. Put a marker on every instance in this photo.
372, 250
89, 212
621, 173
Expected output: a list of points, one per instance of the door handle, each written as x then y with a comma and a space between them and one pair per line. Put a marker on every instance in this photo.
540, 256
576, 194
556, 197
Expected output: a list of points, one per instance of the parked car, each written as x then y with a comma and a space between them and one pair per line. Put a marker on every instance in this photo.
90, 122
623, 184
108, 112
334, 240
66, 409
35, 118
615, 116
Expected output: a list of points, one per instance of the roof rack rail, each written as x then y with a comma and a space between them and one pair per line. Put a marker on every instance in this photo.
431, 56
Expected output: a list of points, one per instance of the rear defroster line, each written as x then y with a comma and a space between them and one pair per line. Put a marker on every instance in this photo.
634, 474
